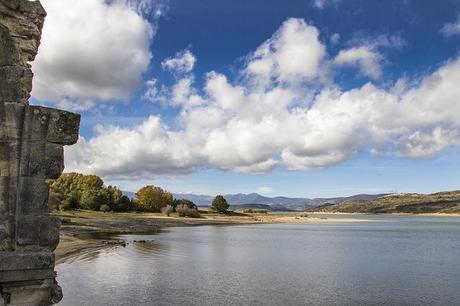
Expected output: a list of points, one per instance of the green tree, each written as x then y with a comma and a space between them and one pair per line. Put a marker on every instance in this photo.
71, 201
151, 198
67, 183
115, 196
93, 199
125, 204
219, 204
90, 182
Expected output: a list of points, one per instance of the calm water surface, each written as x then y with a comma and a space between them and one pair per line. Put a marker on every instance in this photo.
393, 260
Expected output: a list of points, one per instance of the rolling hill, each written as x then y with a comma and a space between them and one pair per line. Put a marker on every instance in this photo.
440, 202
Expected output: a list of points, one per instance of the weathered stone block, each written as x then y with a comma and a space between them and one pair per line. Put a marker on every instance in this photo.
10, 194
8, 53
36, 123
49, 232
11, 120
32, 158
7, 231
37, 293
10, 88
28, 233
41, 159
5, 238
33, 195
4, 158
63, 127
24, 20
54, 161
9, 158
27, 261
4, 195
33, 233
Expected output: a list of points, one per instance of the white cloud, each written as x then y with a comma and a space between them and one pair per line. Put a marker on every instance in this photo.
366, 54
283, 115
181, 94
265, 190
133, 153
427, 144
84, 59
335, 39
321, 4
149, 8
294, 53
182, 62
452, 28
365, 58
154, 94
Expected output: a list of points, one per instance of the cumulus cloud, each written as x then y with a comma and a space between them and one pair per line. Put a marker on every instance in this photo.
282, 112
451, 28
427, 144
365, 58
182, 62
294, 53
149, 144
83, 59
365, 54
181, 94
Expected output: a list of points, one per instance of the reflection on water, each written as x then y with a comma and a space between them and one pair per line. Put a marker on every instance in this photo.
395, 260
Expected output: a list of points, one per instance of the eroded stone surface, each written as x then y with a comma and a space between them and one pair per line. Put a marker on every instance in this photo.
31, 152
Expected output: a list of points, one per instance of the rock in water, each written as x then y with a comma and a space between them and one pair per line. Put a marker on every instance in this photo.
31, 152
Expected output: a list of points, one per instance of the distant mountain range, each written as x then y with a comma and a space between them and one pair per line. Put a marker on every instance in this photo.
255, 198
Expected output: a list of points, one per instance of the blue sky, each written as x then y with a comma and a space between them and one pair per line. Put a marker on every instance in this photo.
299, 98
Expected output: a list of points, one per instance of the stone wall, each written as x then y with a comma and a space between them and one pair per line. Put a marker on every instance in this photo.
31, 153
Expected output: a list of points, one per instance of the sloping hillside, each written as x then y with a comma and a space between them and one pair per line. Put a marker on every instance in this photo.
441, 202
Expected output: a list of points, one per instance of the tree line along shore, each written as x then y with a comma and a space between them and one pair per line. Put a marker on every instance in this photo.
75, 191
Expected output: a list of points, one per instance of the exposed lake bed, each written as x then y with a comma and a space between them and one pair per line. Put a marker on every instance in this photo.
387, 260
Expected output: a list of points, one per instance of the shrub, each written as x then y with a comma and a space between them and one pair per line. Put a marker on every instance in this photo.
105, 208
255, 211
184, 211
219, 204
167, 210
189, 203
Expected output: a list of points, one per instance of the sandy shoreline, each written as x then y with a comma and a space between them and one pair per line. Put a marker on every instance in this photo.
78, 224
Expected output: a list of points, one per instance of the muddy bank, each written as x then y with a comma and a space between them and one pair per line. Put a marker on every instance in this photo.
80, 228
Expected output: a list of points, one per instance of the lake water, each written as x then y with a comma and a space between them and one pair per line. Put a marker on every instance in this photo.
393, 260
